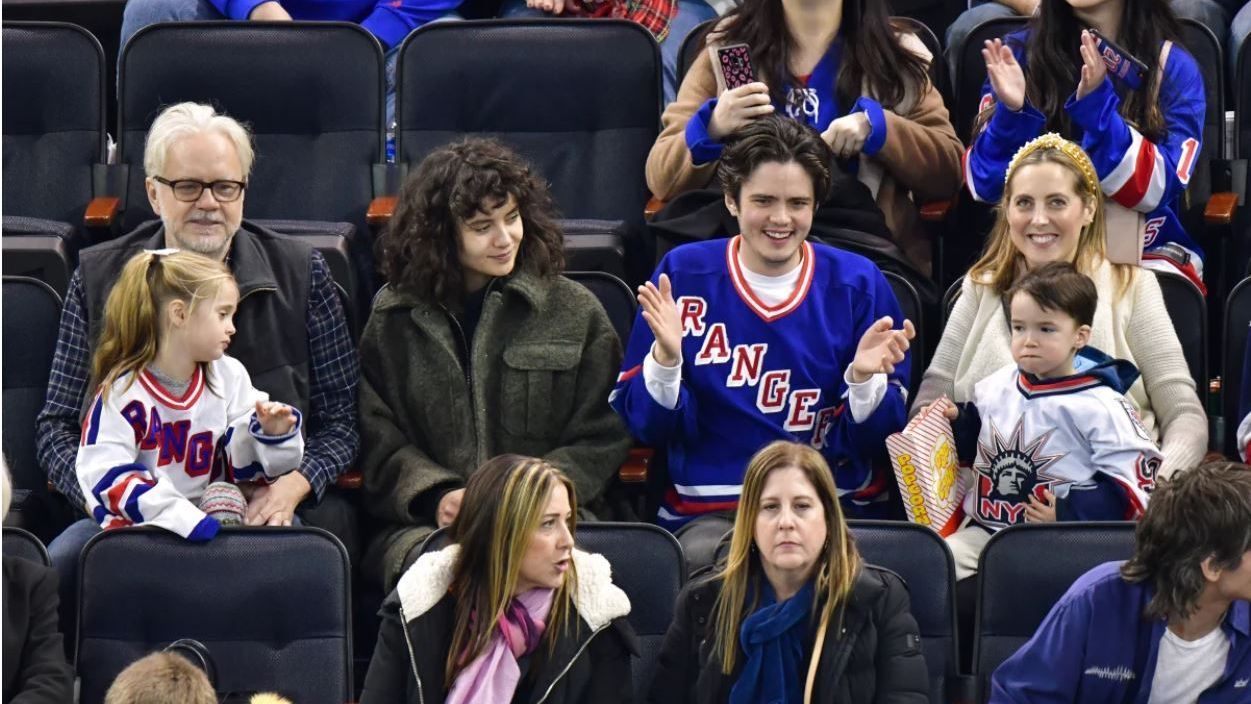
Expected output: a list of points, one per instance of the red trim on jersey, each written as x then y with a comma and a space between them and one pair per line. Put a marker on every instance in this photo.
167, 398
682, 507
765, 312
1067, 384
1135, 189
631, 372
1135, 508
1187, 270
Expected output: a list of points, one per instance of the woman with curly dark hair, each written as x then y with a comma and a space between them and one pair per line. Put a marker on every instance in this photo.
477, 347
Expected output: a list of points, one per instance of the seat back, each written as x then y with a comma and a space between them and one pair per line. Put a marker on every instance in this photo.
647, 564
23, 544
271, 604
41, 249
313, 99
910, 306
1233, 357
586, 124
971, 70
1188, 310
616, 297
53, 119
31, 319
1024, 571
1242, 103
939, 73
695, 42
922, 558
1199, 40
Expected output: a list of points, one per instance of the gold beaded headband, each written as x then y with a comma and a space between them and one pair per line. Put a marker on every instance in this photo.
1051, 140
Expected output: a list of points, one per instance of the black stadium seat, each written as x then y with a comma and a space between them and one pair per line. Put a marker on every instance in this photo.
1189, 313
313, 100
23, 544
31, 317
910, 305
647, 563
1024, 571
40, 249
618, 300
1237, 337
586, 123
970, 70
271, 604
922, 558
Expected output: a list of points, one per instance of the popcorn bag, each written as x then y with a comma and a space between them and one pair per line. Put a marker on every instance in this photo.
924, 457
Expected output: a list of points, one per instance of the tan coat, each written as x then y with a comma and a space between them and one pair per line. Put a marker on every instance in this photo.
921, 160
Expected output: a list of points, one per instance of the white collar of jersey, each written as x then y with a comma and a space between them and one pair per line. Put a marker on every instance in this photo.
766, 312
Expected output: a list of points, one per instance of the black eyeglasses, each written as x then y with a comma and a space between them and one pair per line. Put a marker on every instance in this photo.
189, 190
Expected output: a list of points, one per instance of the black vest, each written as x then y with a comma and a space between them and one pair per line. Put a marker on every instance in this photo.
273, 274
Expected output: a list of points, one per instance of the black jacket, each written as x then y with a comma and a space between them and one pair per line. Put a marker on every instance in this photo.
35, 670
874, 658
589, 665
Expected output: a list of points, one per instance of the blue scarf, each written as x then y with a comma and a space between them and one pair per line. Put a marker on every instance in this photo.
773, 640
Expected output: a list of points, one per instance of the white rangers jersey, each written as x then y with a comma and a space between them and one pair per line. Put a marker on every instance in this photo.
147, 455
1076, 436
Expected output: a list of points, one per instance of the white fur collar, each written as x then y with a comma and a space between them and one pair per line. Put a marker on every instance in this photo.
598, 600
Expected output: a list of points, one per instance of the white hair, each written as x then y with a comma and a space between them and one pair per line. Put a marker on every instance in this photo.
186, 119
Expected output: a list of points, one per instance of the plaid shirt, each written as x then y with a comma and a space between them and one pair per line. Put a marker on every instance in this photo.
334, 371
653, 15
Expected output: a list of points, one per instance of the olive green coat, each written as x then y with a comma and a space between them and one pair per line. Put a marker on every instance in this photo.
543, 360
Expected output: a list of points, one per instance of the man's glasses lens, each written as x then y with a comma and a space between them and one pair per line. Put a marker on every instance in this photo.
190, 191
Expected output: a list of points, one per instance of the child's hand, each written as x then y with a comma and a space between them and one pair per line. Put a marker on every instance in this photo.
276, 419
1039, 511
951, 412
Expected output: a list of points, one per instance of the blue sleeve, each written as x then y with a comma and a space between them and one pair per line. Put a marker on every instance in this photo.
986, 162
1134, 171
1048, 668
703, 148
861, 442
647, 420
877, 125
236, 9
392, 20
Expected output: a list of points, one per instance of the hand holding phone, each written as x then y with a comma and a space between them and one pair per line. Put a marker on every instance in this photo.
741, 98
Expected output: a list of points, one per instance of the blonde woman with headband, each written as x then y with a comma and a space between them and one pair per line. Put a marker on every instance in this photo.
1053, 210
793, 614
172, 412
511, 611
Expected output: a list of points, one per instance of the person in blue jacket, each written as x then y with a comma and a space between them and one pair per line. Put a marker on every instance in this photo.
1173, 624
1144, 136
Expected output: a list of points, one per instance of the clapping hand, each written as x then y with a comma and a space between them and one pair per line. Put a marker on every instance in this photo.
1005, 74
1093, 68
661, 315
881, 348
276, 419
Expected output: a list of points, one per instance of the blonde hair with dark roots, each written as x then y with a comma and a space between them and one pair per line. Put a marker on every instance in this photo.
161, 678
740, 576
500, 511
132, 313
1001, 264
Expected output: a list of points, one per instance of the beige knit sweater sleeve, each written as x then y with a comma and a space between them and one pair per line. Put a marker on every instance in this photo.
1182, 422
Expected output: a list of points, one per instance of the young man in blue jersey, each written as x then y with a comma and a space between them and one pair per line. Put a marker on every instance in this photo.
765, 336
1173, 624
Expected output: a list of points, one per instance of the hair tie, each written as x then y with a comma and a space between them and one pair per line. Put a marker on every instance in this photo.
1051, 140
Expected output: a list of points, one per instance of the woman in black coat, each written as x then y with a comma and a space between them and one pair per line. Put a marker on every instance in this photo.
793, 615
558, 634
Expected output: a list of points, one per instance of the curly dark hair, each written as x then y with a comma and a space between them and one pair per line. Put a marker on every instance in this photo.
774, 138
418, 252
1202, 513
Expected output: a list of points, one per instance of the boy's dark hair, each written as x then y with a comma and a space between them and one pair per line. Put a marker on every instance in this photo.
776, 139
1201, 513
1057, 286
418, 251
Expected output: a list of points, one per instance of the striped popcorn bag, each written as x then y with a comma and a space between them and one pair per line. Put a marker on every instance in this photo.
924, 457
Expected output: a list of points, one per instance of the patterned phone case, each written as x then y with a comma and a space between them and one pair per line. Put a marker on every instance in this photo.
733, 62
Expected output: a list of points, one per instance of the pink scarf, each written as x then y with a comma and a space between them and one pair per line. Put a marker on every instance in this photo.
491, 678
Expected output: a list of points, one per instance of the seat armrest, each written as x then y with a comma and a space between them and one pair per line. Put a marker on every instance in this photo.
380, 210
351, 480
102, 211
653, 206
937, 210
1220, 209
634, 470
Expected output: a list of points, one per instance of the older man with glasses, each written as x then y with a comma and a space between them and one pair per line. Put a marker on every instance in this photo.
292, 333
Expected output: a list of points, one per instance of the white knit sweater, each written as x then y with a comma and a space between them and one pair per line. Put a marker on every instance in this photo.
977, 340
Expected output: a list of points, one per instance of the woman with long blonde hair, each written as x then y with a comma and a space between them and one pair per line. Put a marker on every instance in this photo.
1053, 210
792, 614
511, 611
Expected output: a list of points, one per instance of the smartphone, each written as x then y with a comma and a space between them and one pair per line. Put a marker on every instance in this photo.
1123, 66
732, 64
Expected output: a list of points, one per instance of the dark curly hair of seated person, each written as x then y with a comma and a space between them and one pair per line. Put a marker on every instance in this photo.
418, 252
